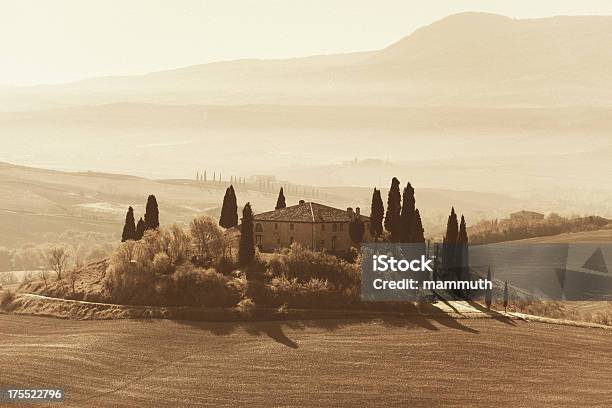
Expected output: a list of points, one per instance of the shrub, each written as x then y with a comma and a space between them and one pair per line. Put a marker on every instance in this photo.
315, 293
162, 264
6, 299
205, 287
304, 265
176, 243
209, 240
226, 265
246, 307
256, 270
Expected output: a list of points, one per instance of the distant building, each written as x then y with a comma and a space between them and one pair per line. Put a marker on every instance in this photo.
312, 225
526, 216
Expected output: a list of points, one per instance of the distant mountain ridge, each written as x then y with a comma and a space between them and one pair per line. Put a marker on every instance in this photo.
467, 59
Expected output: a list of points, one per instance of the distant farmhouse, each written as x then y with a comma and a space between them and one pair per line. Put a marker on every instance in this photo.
312, 225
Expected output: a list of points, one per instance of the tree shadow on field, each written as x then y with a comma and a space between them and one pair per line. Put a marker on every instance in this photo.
491, 313
423, 316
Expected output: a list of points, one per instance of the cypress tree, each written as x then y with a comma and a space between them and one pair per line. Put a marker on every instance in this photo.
246, 250
488, 293
129, 228
223, 220
462, 236
151, 217
140, 229
418, 233
452, 228
407, 216
233, 208
506, 297
356, 230
376, 215
280, 202
392, 218
229, 210
449, 257
462, 250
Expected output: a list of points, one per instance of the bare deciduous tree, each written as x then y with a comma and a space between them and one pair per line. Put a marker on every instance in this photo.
73, 275
208, 238
44, 275
58, 260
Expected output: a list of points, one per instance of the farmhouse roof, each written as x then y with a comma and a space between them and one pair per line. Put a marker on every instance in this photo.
308, 212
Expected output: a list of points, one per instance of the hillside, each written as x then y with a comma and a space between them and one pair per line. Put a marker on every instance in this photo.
601, 236
469, 59
420, 362
38, 205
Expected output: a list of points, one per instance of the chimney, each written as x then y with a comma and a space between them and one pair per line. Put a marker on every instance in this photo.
357, 211
302, 201
349, 211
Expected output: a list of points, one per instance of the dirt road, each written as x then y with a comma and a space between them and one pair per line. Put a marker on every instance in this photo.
423, 362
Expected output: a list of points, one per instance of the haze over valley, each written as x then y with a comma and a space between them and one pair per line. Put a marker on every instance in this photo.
476, 110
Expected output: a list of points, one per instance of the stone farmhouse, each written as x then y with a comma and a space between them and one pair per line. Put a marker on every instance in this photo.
314, 226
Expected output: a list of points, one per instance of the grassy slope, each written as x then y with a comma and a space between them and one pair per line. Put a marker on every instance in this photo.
308, 363
35, 202
603, 236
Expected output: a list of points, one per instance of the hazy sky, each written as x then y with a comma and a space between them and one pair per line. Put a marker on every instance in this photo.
65, 40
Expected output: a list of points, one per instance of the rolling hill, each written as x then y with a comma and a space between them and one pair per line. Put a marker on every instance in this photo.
38, 205
418, 362
467, 59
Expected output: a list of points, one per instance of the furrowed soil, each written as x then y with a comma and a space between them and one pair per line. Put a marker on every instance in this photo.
420, 361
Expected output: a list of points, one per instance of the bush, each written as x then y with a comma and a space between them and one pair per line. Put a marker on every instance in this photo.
203, 287
246, 307
209, 240
162, 264
305, 265
256, 269
6, 299
226, 265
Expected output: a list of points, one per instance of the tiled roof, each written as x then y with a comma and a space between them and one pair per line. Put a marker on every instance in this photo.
307, 212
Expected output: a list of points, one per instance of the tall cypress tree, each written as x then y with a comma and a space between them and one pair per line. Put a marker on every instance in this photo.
488, 293
418, 233
140, 229
246, 249
450, 244
129, 228
506, 296
392, 218
376, 215
407, 216
462, 238
233, 208
280, 202
223, 220
151, 217
356, 230
229, 211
